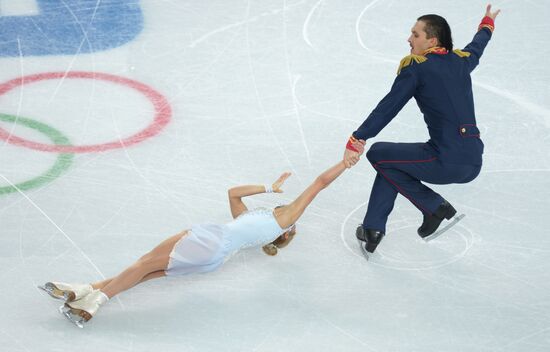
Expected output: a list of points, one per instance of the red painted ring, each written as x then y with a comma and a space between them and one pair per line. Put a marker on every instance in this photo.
163, 112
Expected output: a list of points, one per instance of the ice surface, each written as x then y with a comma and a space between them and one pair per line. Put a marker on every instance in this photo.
255, 89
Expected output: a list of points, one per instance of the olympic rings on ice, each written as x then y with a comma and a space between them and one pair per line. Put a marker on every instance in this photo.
60, 143
163, 112
62, 163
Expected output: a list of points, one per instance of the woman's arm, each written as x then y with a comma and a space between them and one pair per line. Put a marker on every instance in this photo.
289, 214
237, 193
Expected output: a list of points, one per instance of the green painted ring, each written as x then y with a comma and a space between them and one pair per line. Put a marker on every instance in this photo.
62, 163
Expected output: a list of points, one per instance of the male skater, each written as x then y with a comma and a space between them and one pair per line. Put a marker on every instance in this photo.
439, 79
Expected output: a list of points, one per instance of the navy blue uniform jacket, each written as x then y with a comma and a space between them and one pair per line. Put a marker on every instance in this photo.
442, 87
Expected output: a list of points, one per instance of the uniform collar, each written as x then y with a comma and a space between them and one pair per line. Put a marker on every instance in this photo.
439, 50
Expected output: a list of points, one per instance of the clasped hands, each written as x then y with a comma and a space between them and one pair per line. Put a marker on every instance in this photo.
351, 156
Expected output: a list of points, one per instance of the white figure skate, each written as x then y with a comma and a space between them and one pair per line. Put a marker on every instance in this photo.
66, 292
81, 311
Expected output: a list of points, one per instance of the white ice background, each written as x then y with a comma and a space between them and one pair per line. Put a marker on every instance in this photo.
258, 88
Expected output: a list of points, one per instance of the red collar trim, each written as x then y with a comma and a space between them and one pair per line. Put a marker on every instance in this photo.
436, 50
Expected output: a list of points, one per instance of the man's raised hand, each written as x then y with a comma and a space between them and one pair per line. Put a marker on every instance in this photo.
490, 14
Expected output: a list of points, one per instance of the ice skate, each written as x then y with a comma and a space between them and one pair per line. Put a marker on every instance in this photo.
81, 311
429, 228
368, 240
66, 292
439, 232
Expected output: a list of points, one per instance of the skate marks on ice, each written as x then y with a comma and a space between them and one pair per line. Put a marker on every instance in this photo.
403, 249
343, 228
439, 232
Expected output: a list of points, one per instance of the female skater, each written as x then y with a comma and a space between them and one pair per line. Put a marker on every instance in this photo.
201, 249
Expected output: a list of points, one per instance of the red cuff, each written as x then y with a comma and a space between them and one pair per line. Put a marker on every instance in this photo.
487, 22
350, 146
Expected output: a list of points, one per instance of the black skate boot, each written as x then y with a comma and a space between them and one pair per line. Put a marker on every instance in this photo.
371, 238
432, 222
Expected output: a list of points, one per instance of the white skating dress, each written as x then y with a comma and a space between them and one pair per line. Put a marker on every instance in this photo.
207, 246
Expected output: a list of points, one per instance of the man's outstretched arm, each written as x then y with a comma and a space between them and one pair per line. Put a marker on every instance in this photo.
481, 39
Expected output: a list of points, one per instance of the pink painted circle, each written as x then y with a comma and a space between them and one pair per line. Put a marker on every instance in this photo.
163, 112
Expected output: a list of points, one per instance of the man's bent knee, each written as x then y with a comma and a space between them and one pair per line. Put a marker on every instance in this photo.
374, 152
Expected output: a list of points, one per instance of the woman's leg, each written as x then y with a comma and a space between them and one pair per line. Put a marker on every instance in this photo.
151, 265
154, 275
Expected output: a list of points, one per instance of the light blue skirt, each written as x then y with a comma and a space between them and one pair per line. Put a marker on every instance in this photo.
202, 250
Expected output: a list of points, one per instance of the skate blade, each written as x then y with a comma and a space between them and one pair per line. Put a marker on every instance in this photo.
442, 230
51, 290
73, 318
54, 292
363, 250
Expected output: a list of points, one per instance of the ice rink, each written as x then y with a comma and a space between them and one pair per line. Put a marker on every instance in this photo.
125, 122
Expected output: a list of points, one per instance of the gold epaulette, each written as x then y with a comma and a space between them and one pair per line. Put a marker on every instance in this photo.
407, 60
461, 53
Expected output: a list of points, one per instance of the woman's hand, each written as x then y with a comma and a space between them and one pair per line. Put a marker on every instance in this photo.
277, 184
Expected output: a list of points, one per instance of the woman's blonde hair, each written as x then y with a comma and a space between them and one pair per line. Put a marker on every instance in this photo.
280, 242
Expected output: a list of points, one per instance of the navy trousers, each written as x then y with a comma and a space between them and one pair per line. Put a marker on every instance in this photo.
401, 168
